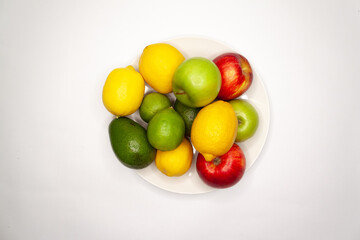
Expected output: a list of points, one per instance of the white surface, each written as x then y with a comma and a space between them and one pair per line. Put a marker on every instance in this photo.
60, 180
190, 182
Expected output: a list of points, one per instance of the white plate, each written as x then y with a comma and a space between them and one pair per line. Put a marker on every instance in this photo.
190, 183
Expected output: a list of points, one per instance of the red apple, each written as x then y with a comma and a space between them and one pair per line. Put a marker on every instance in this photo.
224, 171
236, 75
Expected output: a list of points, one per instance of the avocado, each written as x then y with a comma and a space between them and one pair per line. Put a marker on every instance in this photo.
130, 144
187, 113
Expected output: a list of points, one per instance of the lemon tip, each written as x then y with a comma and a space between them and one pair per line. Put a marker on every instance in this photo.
208, 157
130, 68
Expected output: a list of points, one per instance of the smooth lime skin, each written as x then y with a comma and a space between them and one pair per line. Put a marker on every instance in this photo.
153, 103
248, 119
196, 82
130, 144
187, 113
166, 130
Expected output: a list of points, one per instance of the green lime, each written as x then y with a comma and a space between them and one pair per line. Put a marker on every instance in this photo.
187, 113
130, 144
153, 103
166, 130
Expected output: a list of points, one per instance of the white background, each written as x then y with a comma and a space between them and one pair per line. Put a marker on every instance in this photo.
59, 178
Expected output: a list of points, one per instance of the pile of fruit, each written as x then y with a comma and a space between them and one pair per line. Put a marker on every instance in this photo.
207, 114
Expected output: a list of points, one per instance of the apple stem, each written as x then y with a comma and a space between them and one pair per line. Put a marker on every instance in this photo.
180, 92
217, 161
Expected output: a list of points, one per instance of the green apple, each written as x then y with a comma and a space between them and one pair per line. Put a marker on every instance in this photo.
196, 82
248, 119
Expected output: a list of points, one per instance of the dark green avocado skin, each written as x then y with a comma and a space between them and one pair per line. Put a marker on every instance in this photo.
188, 114
130, 144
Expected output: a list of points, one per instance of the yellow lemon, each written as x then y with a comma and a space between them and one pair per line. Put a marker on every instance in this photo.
175, 162
214, 129
123, 91
157, 65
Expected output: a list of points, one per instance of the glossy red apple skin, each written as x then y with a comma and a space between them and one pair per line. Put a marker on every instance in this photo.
224, 171
236, 75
